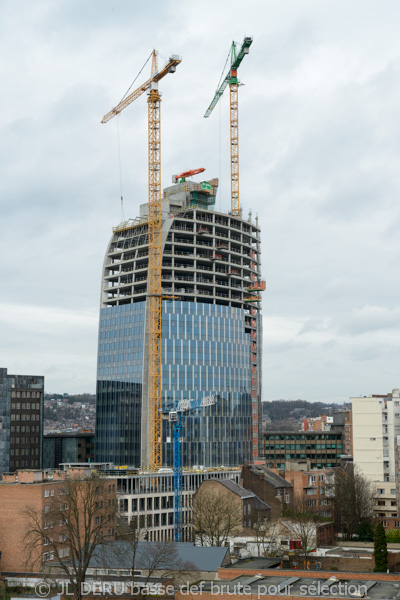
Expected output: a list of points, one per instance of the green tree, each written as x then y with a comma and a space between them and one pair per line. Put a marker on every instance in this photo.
4, 591
365, 532
393, 536
380, 549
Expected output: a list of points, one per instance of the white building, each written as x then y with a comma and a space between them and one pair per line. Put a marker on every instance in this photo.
376, 422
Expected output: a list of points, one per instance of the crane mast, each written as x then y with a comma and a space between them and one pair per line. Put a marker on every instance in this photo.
175, 416
154, 273
154, 298
232, 80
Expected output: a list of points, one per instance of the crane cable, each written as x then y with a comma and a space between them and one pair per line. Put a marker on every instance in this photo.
130, 87
118, 140
223, 70
120, 173
220, 133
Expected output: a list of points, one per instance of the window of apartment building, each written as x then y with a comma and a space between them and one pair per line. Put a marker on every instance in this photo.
142, 504
381, 503
393, 502
46, 493
134, 505
149, 503
393, 491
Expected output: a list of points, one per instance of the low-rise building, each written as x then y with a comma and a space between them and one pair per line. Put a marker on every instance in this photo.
268, 486
322, 449
315, 489
385, 500
251, 510
59, 448
149, 497
27, 501
182, 562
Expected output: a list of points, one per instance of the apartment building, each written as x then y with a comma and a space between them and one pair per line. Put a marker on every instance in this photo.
267, 485
21, 421
385, 500
343, 423
376, 423
323, 449
38, 492
314, 489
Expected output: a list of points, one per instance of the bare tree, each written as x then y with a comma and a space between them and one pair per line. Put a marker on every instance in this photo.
78, 518
125, 548
132, 551
265, 532
353, 500
301, 525
216, 518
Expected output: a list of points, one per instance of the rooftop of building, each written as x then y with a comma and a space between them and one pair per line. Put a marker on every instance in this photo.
235, 488
270, 476
119, 554
395, 393
255, 563
125, 470
181, 197
32, 476
243, 493
316, 585
69, 434
300, 432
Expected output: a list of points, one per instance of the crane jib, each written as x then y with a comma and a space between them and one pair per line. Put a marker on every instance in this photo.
234, 66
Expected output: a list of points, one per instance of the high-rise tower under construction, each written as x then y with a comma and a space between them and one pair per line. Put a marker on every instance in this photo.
211, 333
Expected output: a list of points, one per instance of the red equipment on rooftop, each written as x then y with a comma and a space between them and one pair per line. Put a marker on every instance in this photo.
188, 174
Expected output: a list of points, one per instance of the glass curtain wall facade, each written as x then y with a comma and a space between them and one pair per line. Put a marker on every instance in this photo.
207, 352
119, 383
211, 333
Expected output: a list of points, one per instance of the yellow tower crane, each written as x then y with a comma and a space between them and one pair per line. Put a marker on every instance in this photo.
154, 228
231, 79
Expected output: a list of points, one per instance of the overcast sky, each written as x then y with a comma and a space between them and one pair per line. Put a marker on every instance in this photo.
319, 164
